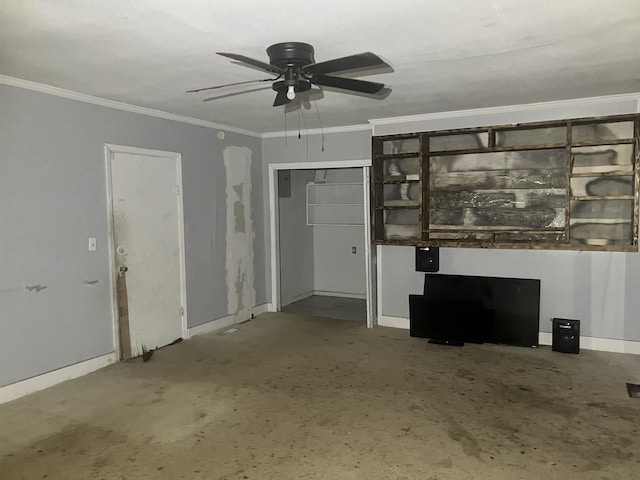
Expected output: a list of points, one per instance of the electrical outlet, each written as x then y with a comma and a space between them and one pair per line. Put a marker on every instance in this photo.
92, 244
353, 250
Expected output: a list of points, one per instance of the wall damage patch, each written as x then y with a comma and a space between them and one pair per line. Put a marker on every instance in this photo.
35, 288
241, 293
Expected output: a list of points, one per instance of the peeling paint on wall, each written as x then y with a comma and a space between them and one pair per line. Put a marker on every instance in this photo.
241, 293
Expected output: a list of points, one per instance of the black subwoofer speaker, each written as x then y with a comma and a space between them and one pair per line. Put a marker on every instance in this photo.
566, 335
427, 259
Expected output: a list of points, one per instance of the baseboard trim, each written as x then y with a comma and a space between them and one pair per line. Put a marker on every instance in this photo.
326, 293
596, 343
229, 320
297, 298
394, 322
545, 338
46, 380
260, 309
211, 326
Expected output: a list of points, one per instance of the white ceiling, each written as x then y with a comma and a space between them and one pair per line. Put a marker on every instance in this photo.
447, 54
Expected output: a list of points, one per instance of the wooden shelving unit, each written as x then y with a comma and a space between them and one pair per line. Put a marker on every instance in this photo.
568, 184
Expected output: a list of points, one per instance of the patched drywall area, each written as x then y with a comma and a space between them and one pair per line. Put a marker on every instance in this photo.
241, 293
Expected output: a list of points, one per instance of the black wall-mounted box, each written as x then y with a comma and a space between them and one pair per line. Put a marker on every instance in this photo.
427, 259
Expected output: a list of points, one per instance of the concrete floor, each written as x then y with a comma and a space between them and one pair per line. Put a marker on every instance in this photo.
290, 397
330, 307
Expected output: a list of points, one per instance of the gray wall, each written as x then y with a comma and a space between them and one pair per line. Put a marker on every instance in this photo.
336, 269
599, 288
296, 241
53, 197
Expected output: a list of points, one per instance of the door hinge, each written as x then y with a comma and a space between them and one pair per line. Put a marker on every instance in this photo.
181, 311
177, 189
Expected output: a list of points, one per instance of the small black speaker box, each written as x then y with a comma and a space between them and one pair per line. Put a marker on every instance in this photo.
566, 335
427, 259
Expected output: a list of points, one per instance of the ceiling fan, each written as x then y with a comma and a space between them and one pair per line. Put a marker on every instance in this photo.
297, 71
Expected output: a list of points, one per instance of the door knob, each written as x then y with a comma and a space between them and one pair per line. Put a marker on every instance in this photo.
123, 269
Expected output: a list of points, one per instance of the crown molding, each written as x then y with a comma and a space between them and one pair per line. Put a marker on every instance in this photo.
527, 107
103, 102
320, 131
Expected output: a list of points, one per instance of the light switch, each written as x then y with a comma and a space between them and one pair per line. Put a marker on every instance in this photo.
92, 244
353, 250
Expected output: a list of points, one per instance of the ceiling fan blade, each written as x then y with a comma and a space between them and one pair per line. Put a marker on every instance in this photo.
360, 60
231, 85
235, 93
256, 63
347, 83
281, 99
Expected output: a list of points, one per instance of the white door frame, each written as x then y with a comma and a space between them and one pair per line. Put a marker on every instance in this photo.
275, 221
109, 150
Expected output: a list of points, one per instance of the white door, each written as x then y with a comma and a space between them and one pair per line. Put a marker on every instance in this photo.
147, 236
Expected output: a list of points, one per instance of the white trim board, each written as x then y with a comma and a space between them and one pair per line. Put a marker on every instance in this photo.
545, 338
319, 131
81, 97
103, 102
321, 165
274, 219
393, 322
597, 343
526, 107
327, 293
297, 298
46, 380
229, 320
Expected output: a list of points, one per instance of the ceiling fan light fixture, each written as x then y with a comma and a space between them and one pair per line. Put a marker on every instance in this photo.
294, 63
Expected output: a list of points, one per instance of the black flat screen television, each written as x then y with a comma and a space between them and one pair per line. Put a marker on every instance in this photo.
475, 309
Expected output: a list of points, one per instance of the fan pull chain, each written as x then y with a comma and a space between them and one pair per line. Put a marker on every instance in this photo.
304, 121
315, 104
285, 128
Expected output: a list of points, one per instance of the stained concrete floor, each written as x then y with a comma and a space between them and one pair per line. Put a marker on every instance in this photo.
292, 397
330, 307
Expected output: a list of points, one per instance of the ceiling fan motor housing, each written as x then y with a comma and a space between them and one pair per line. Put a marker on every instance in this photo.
291, 57
290, 54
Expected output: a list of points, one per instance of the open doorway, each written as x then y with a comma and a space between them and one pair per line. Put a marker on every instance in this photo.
321, 256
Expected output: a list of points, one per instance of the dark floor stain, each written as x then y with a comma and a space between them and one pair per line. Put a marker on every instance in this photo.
73, 445
465, 438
